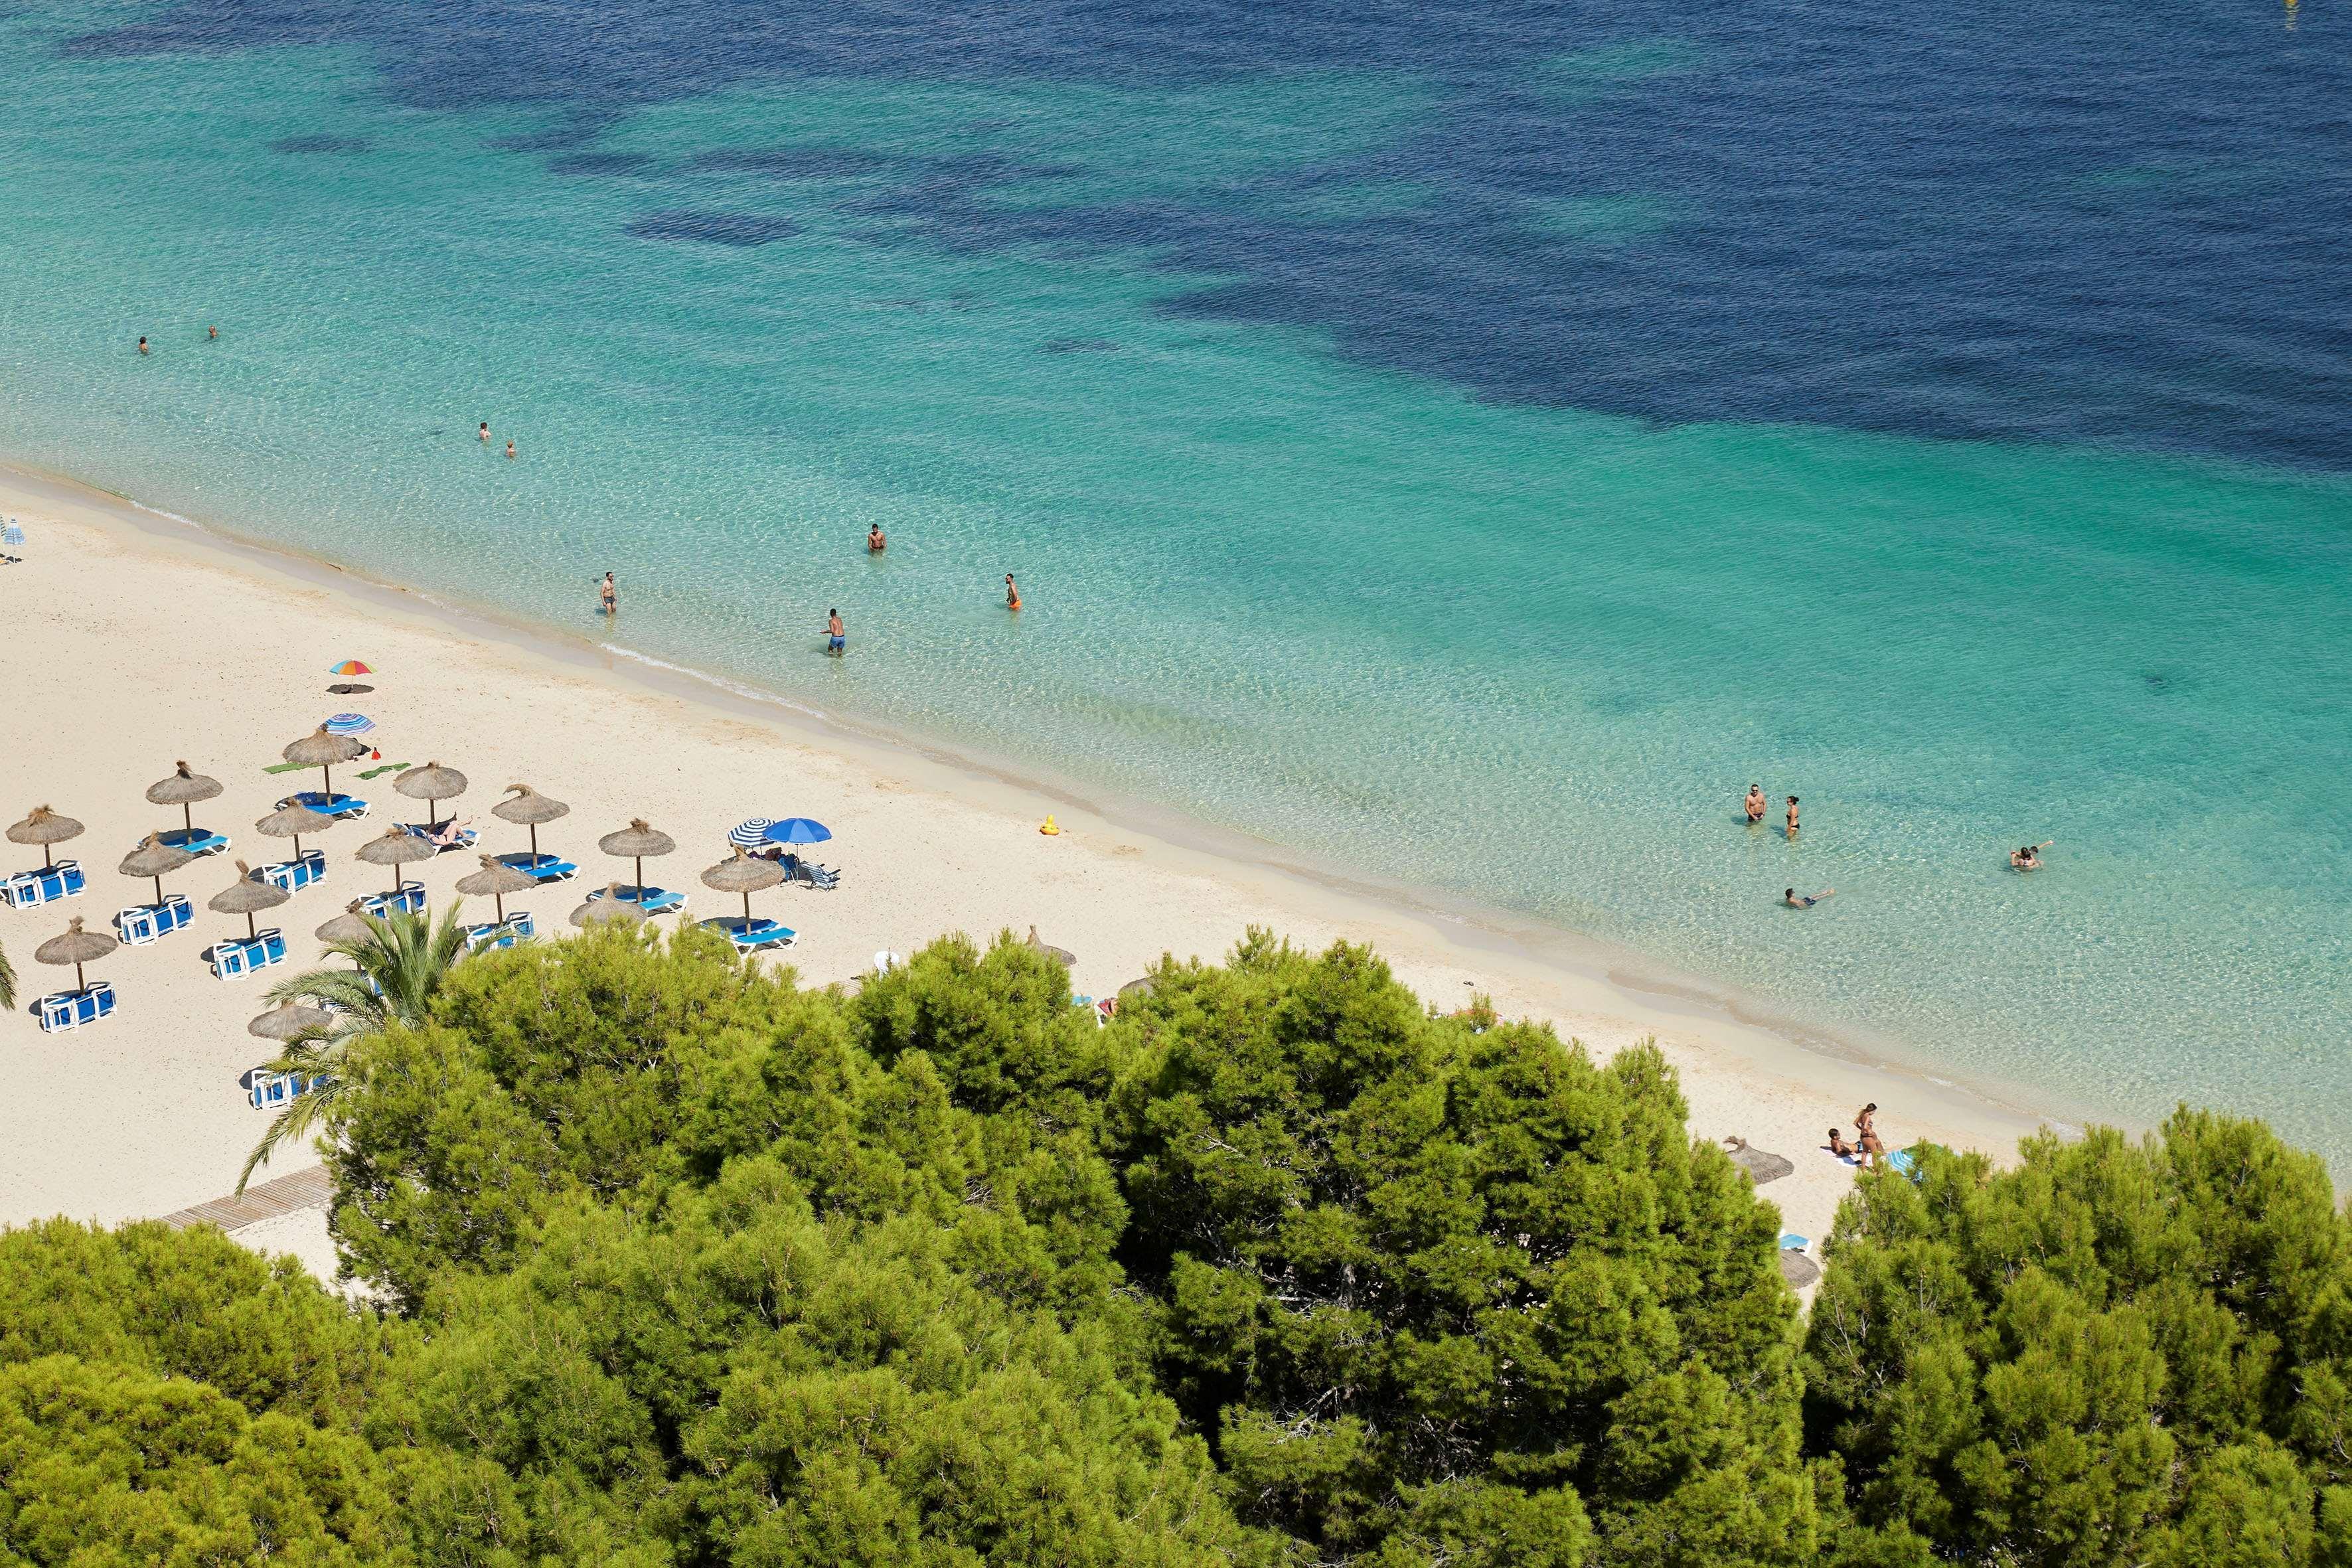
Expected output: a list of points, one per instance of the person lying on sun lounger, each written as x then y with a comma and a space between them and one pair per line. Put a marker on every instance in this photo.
449, 835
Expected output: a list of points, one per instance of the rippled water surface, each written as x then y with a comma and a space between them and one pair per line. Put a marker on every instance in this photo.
1469, 444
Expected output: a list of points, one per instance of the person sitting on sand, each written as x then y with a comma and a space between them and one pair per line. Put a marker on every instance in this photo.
2029, 858
1841, 1148
1755, 803
876, 541
1011, 593
1789, 896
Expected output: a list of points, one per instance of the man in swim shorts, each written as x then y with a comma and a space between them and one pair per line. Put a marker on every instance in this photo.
1011, 593
875, 543
837, 639
606, 594
1755, 803
1789, 896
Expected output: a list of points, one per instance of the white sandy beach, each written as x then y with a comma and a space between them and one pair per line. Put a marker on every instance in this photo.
130, 641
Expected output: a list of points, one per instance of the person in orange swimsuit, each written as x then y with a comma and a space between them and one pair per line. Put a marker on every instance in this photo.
1011, 593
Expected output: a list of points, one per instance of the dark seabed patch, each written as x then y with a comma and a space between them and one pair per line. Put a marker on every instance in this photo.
1078, 346
789, 163
598, 163
345, 144
742, 230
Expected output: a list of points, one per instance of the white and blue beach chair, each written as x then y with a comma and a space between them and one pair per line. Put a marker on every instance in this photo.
409, 901
543, 868
44, 884
652, 901
752, 935
72, 1009
499, 933
143, 923
266, 1090
297, 874
241, 955
197, 841
349, 807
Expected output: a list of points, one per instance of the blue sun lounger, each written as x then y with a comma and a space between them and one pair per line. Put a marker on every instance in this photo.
240, 955
143, 923
72, 1009
351, 807
753, 935
652, 901
498, 933
464, 839
297, 874
266, 1090
544, 868
409, 901
42, 884
198, 841
799, 871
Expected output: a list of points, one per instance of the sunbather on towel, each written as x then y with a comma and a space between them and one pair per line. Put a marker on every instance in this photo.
1841, 1148
449, 835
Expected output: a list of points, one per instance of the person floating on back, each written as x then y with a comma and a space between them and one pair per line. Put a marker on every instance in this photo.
607, 595
2029, 859
1789, 896
1755, 804
1011, 593
836, 637
876, 543
1793, 816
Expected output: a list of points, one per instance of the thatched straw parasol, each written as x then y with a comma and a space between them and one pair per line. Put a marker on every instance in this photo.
610, 910
1061, 955
1143, 987
43, 827
395, 848
1797, 1270
431, 783
529, 808
75, 947
738, 873
635, 842
1760, 1166
496, 878
354, 924
321, 749
294, 821
290, 1021
182, 789
245, 897
153, 859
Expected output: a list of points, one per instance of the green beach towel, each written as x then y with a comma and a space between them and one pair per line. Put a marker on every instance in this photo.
387, 768
287, 767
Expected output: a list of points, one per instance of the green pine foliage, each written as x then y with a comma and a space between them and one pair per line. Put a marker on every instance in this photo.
673, 1263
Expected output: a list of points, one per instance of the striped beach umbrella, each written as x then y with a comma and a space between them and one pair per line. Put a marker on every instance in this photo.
349, 666
751, 833
350, 724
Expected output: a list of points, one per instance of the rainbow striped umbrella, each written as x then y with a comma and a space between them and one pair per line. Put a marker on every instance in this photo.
349, 666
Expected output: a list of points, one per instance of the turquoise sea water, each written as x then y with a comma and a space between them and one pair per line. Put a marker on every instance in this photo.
1469, 460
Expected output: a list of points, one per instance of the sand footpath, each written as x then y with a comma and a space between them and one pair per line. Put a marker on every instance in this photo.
129, 642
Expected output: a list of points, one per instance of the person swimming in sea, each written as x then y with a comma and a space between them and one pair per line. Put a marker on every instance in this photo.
876, 541
1755, 804
485, 432
1789, 896
2029, 859
212, 334
510, 449
1011, 593
836, 637
142, 345
607, 595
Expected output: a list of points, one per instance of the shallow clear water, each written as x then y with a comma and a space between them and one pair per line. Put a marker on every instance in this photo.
1469, 446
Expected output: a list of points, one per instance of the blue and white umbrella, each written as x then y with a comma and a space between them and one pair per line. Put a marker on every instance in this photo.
798, 830
751, 832
350, 724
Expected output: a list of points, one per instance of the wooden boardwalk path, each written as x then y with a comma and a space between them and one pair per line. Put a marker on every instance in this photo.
309, 1189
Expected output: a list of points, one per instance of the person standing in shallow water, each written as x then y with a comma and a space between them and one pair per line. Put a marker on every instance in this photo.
1755, 803
1793, 816
876, 542
510, 449
836, 637
1011, 593
606, 595
142, 345
485, 432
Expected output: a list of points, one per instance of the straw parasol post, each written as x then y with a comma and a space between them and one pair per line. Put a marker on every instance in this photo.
290, 1021
497, 880
322, 748
75, 947
182, 789
530, 809
635, 842
395, 848
245, 897
610, 910
738, 873
153, 859
1060, 955
433, 784
43, 827
293, 823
